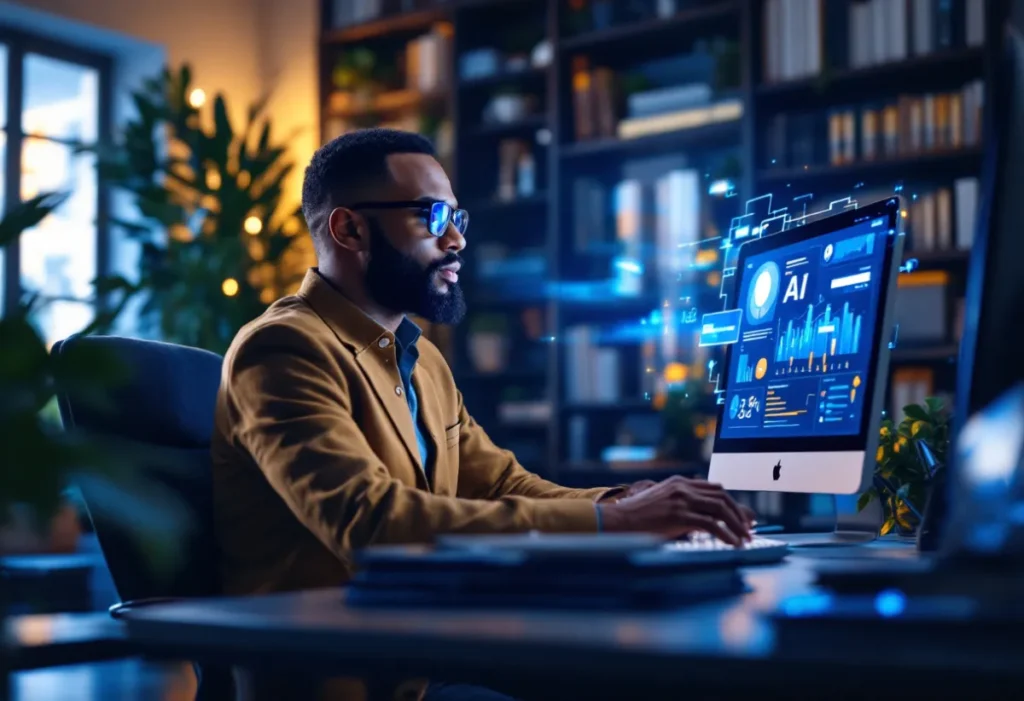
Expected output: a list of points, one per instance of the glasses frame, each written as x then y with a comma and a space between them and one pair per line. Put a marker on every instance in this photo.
423, 206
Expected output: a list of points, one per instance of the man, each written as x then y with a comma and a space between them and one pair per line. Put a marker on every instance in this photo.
338, 427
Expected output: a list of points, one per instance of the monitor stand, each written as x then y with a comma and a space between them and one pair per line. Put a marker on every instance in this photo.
852, 528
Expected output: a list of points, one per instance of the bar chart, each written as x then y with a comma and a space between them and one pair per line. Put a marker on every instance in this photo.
810, 336
745, 372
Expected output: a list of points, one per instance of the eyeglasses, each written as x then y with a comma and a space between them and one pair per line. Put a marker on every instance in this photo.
438, 214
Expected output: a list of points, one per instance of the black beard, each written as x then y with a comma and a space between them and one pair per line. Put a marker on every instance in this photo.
398, 283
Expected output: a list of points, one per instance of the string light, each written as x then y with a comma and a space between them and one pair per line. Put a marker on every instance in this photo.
229, 287
197, 98
253, 225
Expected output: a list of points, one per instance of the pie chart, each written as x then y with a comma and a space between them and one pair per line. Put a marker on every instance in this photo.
763, 293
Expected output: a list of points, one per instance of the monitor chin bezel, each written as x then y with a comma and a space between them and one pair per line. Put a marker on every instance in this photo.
866, 439
848, 471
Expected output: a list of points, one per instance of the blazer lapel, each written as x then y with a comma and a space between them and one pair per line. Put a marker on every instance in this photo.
364, 336
432, 413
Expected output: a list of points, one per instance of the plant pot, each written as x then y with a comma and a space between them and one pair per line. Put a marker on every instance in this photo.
488, 351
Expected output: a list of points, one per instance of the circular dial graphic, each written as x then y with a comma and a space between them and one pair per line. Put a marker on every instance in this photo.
764, 290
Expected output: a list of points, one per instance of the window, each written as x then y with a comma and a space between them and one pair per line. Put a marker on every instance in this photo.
51, 98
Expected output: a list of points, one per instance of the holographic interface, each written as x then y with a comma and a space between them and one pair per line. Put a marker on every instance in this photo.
807, 317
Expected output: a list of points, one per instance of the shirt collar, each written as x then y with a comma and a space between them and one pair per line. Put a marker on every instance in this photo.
407, 334
351, 325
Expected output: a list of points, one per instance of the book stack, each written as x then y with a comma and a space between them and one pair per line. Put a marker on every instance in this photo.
802, 36
907, 126
793, 32
428, 60
944, 219
593, 99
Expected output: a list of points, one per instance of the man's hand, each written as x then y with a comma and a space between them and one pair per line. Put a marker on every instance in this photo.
637, 487
677, 507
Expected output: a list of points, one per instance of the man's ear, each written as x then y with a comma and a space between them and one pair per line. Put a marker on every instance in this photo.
347, 229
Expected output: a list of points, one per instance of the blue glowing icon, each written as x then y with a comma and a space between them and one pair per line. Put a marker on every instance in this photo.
763, 293
734, 406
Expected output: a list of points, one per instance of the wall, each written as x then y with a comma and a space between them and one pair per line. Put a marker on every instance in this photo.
289, 39
244, 48
218, 37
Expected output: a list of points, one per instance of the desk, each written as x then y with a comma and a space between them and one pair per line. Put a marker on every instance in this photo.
724, 645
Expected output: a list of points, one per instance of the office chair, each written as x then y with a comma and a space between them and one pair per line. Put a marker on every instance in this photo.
162, 414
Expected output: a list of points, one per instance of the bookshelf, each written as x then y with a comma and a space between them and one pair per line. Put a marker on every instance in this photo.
533, 177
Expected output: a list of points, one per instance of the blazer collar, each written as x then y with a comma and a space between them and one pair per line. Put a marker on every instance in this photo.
352, 325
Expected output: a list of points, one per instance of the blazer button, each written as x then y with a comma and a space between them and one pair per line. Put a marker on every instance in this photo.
398, 390
384, 342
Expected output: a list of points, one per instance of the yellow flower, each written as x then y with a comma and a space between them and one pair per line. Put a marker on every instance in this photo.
884, 431
915, 427
899, 444
880, 454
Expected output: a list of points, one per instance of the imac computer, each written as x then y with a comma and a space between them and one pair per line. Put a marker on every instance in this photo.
803, 387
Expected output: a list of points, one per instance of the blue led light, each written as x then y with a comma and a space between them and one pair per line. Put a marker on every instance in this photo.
890, 603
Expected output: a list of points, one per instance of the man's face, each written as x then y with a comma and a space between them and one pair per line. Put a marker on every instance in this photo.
408, 269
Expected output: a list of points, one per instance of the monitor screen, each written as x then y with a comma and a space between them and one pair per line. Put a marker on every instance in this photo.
809, 311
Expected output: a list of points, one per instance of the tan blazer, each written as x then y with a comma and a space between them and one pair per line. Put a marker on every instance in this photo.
315, 453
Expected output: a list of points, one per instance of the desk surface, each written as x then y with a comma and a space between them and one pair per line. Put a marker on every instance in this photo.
60, 639
730, 641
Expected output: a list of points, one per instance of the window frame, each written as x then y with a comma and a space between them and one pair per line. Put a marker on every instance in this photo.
18, 44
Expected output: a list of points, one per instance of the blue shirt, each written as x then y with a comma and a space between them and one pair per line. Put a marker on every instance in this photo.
407, 354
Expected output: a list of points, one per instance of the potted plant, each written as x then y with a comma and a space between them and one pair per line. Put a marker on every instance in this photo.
217, 243
40, 460
488, 342
910, 456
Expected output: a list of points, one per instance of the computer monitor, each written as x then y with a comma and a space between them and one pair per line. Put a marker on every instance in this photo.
804, 385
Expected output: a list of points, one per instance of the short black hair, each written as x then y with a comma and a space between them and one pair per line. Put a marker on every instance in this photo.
347, 163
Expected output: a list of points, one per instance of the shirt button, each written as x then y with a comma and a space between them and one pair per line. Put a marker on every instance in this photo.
398, 390
384, 342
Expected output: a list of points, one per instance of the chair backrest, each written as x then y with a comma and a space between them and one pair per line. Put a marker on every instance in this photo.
163, 414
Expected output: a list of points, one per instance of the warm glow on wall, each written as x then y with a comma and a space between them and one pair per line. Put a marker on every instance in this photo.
253, 225
197, 98
229, 287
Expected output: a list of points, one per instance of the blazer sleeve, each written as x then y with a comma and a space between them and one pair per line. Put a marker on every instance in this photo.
291, 410
489, 472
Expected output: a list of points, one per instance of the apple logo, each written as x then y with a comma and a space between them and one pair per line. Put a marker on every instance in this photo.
777, 471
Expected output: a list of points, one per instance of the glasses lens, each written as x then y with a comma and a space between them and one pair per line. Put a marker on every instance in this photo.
461, 220
440, 215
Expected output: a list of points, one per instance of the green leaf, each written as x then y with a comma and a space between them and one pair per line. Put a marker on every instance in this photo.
866, 498
915, 412
27, 214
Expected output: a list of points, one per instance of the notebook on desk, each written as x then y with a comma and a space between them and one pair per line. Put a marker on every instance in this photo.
561, 572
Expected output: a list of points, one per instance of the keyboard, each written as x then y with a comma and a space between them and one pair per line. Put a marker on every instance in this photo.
707, 548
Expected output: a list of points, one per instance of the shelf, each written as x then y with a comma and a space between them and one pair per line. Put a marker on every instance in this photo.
405, 22
925, 354
538, 199
531, 123
909, 73
391, 101
710, 136
648, 30
966, 161
531, 73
